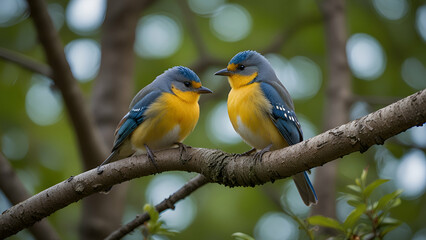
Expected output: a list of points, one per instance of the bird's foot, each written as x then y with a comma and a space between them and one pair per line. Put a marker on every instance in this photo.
151, 156
183, 150
258, 156
246, 153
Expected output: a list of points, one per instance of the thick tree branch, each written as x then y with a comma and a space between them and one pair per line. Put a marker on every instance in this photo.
90, 146
227, 169
15, 191
168, 203
26, 62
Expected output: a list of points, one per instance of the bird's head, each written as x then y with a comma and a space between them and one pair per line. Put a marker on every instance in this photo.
184, 83
245, 68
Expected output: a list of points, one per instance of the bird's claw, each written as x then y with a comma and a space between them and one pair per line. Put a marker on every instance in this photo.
258, 156
183, 150
244, 154
151, 156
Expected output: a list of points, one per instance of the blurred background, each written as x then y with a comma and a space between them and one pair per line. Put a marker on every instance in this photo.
386, 55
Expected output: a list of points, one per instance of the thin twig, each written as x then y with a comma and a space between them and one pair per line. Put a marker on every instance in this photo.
26, 62
168, 203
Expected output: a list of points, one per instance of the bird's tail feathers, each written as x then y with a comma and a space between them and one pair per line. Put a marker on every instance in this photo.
111, 158
305, 188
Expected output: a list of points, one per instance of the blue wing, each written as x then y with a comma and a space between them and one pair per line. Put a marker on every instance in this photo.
286, 122
133, 118
283, 115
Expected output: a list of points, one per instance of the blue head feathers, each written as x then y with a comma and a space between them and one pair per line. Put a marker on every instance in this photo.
241, 56
188, 73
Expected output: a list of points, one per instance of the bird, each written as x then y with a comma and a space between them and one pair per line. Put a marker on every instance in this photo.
161, 115
262, 111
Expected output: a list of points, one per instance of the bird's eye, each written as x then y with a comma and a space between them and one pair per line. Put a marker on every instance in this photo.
187, 84
241, 67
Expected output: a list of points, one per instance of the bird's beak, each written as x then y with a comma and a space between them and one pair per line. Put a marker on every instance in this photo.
223, 72
203, 90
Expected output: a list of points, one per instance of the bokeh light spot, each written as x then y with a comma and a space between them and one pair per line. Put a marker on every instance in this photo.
220, 127
157, 36
387, 164
85, 16
411, 174
84, 56
358, 110
203, 7
12, 12
308, 128
413, 72
160, 188
301, 76
56, 12
403, 231
291, 200
14, 144
231, 23
366, 57
391, 9
421, 21
42, 105
420, 235
276, 226
343, 209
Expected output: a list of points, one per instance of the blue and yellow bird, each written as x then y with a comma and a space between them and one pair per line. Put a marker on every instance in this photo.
161, 115
262, 112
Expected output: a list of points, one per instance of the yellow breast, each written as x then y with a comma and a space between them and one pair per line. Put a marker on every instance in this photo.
169, 120
249, 111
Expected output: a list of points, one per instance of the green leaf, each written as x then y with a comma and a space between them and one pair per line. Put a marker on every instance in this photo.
358, 182
387, 199
354, 203
370, 188
396, 203
364, 176
241, 236
351, 196
354, 216
354, 188
326, 222
152, 212
167, 232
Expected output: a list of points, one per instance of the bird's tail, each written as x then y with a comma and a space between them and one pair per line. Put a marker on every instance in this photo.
111, 158
305, 188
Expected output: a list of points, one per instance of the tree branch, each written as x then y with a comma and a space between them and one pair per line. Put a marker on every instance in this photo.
15, 191
168, 203
26, 62
227, 169
90, 146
